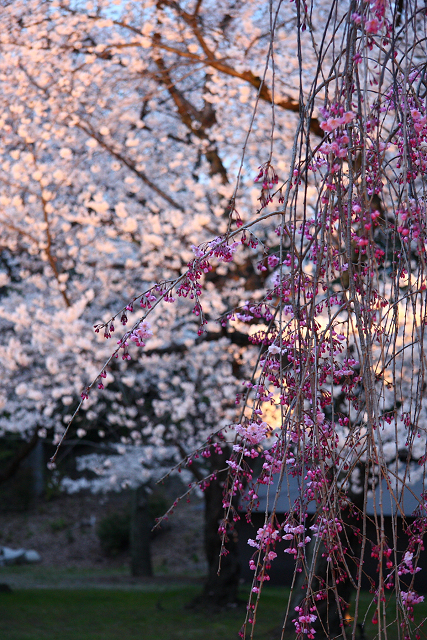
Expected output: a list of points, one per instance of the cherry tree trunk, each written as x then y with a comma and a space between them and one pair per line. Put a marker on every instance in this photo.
140, 532
221, 587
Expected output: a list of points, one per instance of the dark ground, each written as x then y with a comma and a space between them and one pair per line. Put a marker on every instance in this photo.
64, 532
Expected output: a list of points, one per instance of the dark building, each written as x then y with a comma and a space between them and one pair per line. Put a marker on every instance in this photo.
282, 567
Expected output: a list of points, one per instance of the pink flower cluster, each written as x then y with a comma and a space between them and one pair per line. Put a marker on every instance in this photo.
295, 533
306, 618
375, 20
333, 123
141, 333
409, 598
406, 566
253, 432
265, 536
270, 179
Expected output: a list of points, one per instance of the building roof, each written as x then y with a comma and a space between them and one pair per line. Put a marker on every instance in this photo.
408, 496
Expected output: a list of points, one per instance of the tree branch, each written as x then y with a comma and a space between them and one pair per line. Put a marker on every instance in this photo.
20, 456
128, 163
188, 114
287, 102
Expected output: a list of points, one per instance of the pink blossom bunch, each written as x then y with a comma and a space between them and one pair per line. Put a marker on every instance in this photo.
141, 333
269, 179
253, 432
333, 122
303, 624
266, 535
409, 598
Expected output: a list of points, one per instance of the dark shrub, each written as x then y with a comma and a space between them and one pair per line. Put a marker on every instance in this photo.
113, 533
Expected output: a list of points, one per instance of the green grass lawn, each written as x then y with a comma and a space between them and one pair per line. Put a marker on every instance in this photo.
158, 614
45, 614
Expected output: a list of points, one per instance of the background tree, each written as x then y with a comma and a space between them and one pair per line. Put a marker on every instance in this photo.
112, 123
